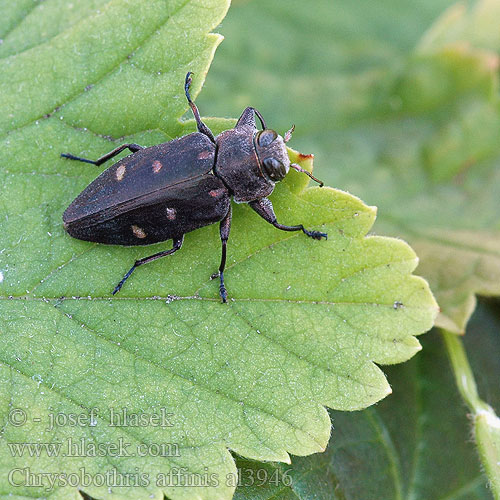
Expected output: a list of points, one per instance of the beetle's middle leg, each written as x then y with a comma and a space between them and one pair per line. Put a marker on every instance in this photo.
224, 228
177, 244
200, 125
133, 147
264, 208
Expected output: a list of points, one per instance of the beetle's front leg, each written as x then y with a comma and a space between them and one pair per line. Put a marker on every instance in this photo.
225, 227
264, 208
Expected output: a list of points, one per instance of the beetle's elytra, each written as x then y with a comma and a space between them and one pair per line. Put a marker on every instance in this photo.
165, 191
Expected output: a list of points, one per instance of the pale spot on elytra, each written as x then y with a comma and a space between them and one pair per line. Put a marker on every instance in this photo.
171, 213
204, 155
138, 232
120, 172
157, 166
214, 193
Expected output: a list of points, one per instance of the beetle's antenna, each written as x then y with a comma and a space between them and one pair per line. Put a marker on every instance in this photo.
289, 133
300, 169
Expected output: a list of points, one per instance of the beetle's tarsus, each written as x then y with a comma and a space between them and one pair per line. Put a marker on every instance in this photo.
118, 287
125, 278
317, 235
222, 288
187, 84
78, 158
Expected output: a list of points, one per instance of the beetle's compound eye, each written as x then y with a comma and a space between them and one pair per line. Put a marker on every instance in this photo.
274, 169
265, 137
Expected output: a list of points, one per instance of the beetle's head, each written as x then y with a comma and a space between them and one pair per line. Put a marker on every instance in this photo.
272, 154
273, 157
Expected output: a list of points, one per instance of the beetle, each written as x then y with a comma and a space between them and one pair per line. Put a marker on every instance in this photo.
164, 191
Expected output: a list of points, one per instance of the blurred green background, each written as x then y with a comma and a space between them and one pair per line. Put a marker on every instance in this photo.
302, 62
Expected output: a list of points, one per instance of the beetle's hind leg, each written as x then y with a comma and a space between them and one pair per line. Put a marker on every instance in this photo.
200, 125
133, 147
264, 208
151, 258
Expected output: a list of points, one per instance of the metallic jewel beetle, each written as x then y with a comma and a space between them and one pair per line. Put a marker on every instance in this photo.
163, 192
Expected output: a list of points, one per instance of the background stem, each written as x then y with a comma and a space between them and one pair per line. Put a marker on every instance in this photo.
486, 423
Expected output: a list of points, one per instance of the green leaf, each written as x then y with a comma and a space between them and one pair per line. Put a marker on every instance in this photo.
412, 445
415, 133
307, 322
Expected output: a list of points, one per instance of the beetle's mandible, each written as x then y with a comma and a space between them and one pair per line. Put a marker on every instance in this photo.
162, 192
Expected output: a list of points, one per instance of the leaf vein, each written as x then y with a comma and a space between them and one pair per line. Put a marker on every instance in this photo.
213, 392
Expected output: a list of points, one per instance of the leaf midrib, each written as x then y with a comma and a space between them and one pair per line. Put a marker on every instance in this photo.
196, 383
173, 298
